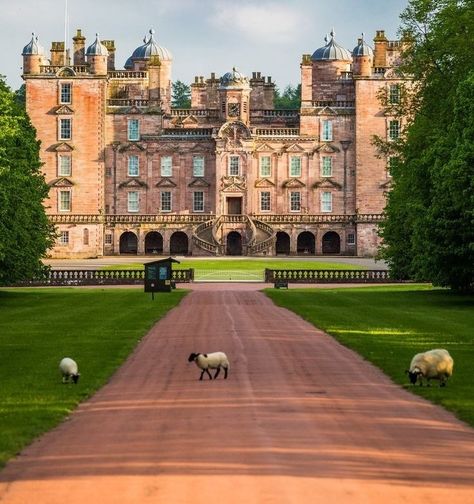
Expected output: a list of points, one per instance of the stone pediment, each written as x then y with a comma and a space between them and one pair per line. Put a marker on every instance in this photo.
134, 146
165, 182
134, 110
64, 110
199, 182
133, 183
177, 122
327, 183
327, 148
190, 120
61, 182
293, 148
293, 183
264, 148
327, 111
61, 147
264, 182
232, 188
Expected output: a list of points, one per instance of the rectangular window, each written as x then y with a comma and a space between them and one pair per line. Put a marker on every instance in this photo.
108, 239
326, 168
166, 164
133, 201
64, 166
295, 166
326, 202
234, 166
133, 130
394, 94
65, 129
265, 201
65, 93
392, 163
198, 166
64, 201
326, 131
166, 201
394, 130
64, 238
351, 239
295, 201
265, 166
198, 201
133, 166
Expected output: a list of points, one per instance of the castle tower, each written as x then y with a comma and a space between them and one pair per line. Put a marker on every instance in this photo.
363, 57
33, 56
380, 49
97, 57
234, 97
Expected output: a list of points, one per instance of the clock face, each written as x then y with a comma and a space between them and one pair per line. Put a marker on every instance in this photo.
234, 109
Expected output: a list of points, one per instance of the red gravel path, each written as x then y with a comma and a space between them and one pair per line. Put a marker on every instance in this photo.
300, 419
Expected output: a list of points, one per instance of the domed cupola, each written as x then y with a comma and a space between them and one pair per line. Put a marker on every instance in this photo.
97, 48
147, 50
331, 51
234, 79
362, 49
33, 48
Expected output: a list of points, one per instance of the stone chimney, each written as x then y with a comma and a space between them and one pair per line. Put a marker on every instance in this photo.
79, 48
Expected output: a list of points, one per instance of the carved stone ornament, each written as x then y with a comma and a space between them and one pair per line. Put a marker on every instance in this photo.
61, 182
199, 182
236, 182
327, 183
165, 182
293, 183
264, 182
61, 147
136, 183
64, 110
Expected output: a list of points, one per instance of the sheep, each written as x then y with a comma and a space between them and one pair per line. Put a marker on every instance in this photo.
434, 364
215, 360
69, 370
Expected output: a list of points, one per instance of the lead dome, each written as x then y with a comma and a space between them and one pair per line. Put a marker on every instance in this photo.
362, 49
147, 50
33, 47
234, 79
97, 48
331, 51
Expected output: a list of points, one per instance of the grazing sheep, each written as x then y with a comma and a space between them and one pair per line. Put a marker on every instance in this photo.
433, 365
216, 360
69, 370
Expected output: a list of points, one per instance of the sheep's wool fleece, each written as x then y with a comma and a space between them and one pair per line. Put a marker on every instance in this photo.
213, 360
433, 362
68, 366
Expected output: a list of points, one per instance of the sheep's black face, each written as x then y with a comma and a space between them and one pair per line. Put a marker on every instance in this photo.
192, 357
413, 377
75, 378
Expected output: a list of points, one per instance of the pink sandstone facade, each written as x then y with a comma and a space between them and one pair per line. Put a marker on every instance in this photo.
128, 174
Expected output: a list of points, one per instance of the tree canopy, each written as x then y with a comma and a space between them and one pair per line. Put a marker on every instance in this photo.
289, 99
428, 231
25, 232
180, 95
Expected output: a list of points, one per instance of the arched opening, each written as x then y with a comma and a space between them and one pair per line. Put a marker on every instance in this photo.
179, 244
153, 243
282, 245
234, 244
128, 243
331, 243
306, 243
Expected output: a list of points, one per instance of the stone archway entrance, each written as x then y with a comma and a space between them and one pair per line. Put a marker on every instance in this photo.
234, 244
128, 243
179, 243
153, 243
282, 245
331, 243
306, 243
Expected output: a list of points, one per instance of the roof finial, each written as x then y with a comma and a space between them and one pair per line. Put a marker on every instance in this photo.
151, 32
363, 35
333, 33
326, 38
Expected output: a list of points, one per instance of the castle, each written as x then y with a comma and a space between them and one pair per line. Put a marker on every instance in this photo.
129, 174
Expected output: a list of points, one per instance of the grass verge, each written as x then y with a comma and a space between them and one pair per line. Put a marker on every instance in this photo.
388, 325
40, 326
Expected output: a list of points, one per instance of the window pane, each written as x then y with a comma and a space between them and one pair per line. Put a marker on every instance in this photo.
133, 166
326, 202
394, 94
265, 201
326, 131
265, 166
64, 201
133, 200
166, 201
64, 166
198, 166
295, 166
234, 165
394, 130
65, 129
133, 130
64, 238
198, 201
108, 239
295, 201
65, 93
327, 166
166, 166
351, 239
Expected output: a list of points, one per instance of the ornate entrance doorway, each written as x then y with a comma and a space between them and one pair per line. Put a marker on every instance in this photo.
234, 244
234, 205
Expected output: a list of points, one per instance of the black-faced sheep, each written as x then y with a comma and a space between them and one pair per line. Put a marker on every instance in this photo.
215, 360
434, 364
69, 370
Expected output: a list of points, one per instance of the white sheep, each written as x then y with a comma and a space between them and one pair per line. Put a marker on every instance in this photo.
69, 370
215, 360
434, 364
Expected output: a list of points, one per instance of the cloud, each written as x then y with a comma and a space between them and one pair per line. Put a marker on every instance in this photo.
267, 22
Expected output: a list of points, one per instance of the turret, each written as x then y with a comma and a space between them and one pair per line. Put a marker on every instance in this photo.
33, 56
363, 58
234, 97
97, 56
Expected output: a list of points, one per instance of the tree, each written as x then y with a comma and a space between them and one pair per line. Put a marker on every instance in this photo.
25, 232
181, 95
289, 100
428, 231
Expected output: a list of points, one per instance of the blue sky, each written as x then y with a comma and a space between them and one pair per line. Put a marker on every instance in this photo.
203, 36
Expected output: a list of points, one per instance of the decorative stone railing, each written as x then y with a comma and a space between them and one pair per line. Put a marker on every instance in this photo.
334, 104
277, 132
187, 133
328, 276
188, 112
53, 69
125, 102
127, 74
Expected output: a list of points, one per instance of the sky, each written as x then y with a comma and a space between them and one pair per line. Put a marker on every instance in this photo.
204, 36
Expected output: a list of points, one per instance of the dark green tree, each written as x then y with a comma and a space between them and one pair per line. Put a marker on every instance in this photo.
25, 232
428, 231
181, 95
290, 99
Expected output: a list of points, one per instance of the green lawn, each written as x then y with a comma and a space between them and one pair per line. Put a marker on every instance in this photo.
96, 327
388, 325
240, 269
